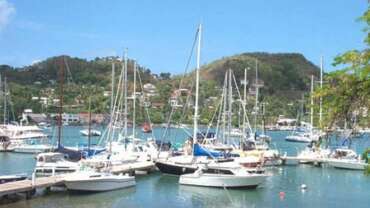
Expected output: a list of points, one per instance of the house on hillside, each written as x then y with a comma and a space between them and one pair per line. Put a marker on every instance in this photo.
150, 90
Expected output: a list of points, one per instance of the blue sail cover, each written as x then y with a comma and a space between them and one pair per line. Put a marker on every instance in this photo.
201, 151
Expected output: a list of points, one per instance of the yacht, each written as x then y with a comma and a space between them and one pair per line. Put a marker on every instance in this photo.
19, 132
310, 154
347, 159
53, 163
91, 181
32, 148
223, 178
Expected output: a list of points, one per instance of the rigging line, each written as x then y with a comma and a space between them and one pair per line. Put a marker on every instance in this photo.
145, 107
181, 82
221, 107
237, 89
115, 116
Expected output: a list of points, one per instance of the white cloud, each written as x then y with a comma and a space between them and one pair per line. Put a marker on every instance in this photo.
7, 10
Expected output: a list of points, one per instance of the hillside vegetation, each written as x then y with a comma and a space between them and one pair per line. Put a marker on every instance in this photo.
286, 76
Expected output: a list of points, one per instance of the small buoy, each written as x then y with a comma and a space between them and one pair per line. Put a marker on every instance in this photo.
281, 195
303, 186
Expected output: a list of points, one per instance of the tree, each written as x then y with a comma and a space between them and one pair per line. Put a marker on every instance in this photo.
165, 75
347, 91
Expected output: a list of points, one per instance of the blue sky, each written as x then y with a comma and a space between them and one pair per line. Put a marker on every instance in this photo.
159, 33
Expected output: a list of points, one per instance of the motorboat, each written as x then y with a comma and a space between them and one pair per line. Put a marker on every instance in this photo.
19, 132
93, 132
32, 148
97, 182
348, 164
311, 154
11, 178
53, 163
346, 159
303, 138
223, 178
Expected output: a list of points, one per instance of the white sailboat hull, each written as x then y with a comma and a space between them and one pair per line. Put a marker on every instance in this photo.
222, 180
347, 164
100, 184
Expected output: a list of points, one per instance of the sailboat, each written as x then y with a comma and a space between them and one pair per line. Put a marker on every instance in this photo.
307, 136
191, 167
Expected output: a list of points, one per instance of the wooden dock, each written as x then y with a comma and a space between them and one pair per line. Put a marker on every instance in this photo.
28, 186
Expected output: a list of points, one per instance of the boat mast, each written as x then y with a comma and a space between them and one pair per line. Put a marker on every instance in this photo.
244, 101
5, 97
112, 90
230, 107
197, 88
125, 94
256, 104
134, 103
321, 81
61, 79
311, 104
89, 131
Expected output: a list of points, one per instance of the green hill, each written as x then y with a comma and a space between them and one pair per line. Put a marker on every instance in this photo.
286, 76
283, 74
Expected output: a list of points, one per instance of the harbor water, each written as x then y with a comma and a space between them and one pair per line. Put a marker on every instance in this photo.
326, 187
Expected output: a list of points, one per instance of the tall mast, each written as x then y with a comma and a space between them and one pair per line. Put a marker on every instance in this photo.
245, 100
256, 104
197, 87
311, 104
112, 89
5, 97
230, 107
321, 81
134, 103
125, 94
89, 131
61, 80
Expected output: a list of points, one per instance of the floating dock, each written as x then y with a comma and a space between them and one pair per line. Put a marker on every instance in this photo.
28, 186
